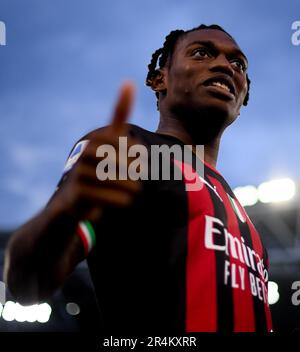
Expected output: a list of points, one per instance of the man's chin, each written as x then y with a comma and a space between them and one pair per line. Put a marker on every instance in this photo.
208, 122
215, 106
211, 112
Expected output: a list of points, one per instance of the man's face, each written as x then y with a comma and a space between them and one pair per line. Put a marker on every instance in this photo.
207, 75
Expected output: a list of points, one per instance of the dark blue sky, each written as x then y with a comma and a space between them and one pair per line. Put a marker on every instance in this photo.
64, 62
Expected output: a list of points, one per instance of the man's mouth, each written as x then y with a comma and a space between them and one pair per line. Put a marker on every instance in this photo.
222, 84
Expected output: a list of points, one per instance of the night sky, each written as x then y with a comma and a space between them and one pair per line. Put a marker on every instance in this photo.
65, 60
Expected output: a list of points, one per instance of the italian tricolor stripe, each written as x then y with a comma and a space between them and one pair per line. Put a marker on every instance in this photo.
87, 234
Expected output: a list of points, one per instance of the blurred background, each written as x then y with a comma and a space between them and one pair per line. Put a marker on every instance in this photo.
60, 71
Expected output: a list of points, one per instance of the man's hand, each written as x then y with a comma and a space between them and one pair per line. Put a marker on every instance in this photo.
44, 251
83, 194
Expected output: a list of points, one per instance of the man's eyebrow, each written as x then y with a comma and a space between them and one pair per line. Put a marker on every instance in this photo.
211, 45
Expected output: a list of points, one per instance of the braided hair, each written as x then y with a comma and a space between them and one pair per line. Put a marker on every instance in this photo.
162, 55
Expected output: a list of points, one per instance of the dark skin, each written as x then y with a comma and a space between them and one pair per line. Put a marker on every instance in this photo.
45, 250
190, 110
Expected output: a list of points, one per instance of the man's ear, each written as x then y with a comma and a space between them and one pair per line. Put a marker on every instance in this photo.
159, 80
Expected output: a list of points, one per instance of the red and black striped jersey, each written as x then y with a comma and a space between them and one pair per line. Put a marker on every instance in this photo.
180, 260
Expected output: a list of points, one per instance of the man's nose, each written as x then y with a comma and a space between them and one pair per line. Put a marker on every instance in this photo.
221, 64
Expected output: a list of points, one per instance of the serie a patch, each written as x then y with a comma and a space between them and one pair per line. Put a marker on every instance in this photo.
75, 155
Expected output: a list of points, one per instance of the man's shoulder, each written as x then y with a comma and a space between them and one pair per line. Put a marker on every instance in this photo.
144, 135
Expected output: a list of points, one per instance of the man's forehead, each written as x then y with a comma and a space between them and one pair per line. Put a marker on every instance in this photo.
216, 36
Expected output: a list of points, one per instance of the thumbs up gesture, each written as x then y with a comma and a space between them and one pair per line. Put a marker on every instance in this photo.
83, 194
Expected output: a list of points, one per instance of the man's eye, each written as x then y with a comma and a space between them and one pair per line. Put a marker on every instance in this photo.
240, 65
201, 52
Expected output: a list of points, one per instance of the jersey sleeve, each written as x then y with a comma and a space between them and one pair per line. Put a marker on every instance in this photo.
75, 154
85, 229
72, 159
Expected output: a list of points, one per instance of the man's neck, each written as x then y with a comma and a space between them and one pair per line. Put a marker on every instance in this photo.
174, 128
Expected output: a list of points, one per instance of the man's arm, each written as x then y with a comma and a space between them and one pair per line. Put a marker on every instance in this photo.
42, 253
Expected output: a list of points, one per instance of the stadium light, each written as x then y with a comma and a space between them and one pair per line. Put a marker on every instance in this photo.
20, 313
72, 308
37, 312
44, 312
276, 190
246, 195
32, 313
273, 294
8, 313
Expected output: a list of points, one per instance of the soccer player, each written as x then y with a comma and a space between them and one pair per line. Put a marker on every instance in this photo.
161, 257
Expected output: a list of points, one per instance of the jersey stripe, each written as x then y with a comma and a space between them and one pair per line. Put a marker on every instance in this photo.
84, 239
258, 247
87, 234
260, 320
201, 315
259, 310
224, 293
243, 303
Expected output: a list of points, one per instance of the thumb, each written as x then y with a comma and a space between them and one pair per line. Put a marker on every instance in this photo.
123, 107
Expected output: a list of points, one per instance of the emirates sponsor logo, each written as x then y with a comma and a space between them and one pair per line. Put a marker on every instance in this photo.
240, 256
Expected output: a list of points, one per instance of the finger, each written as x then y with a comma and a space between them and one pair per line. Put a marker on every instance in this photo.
94, 215
88, 176
106, 196
123, 108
